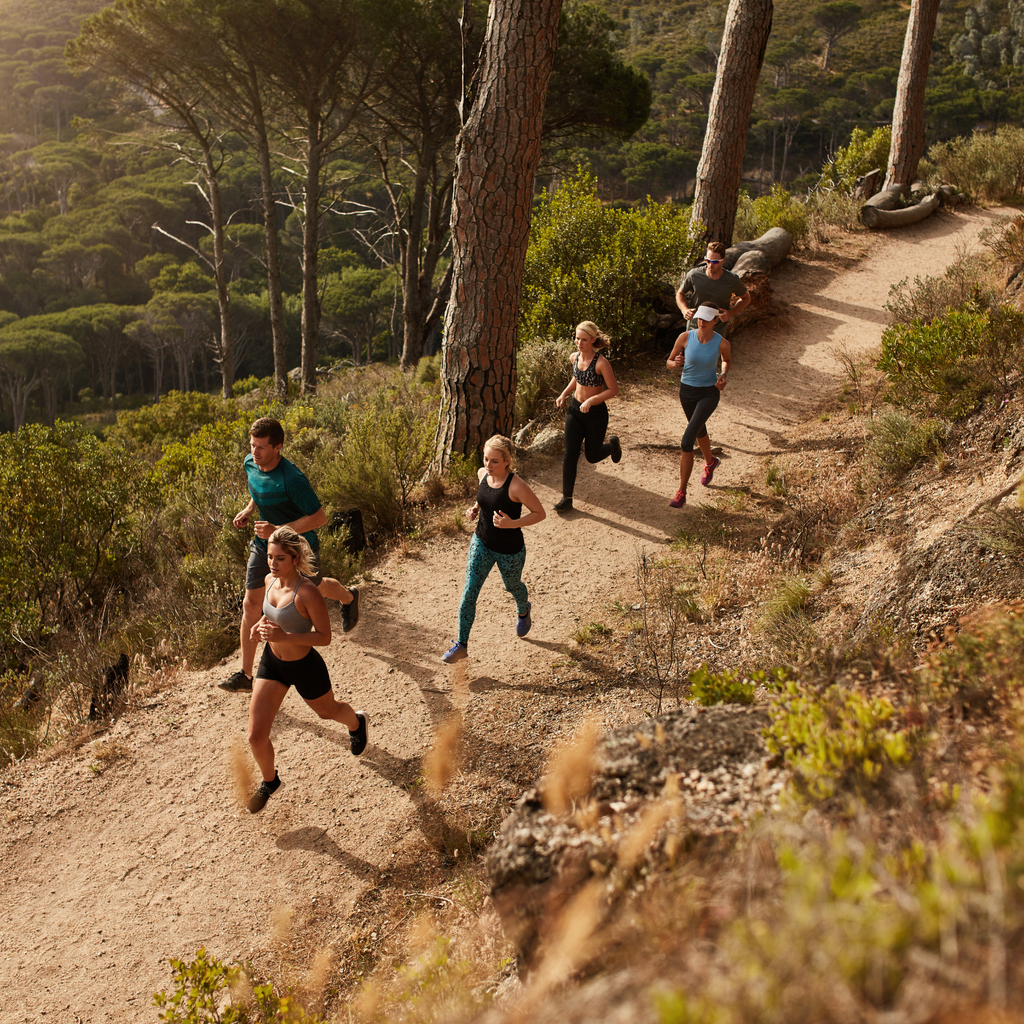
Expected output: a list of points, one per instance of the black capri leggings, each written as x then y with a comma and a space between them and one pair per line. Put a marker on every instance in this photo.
583, 430
698, 404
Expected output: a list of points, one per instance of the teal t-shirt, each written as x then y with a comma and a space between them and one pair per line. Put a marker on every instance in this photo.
700, 364
282, 496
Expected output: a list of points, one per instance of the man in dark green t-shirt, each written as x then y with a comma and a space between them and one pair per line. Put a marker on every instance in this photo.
712, 285
281, 494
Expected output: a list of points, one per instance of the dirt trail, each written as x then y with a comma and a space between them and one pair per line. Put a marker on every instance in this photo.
108, 874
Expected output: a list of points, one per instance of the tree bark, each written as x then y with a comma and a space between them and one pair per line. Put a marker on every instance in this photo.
908, 114
747, 26
498, 155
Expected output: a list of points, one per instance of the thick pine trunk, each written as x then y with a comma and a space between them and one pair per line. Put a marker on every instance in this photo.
747, 26
498, 155
908, 114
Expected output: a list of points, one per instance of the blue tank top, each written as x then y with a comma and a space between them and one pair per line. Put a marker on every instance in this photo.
490, 499
700, 365
288, 617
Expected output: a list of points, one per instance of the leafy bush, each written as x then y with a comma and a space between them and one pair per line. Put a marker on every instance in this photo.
863, 153
778, 209
175, 417
898, 442
966, 280
729, 687
74, 514
462, 474
386, 451
829, 208
587, 261
987, 167
836, 742
542, 370
929, 366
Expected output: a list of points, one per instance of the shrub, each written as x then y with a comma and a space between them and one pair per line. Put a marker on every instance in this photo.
462, 474
589, 262
837, 742
929, 366
778, 209
898, 442
542, 370
966, 280
863, 153
987, 167
175, 417
386, 451
831, 208
729, 687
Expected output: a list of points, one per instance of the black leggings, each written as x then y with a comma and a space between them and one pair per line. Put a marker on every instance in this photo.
698, 404
584, 430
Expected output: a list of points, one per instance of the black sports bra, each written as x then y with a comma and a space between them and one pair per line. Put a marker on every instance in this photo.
589, 377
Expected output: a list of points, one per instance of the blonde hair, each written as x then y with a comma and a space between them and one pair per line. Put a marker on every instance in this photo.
296, 545
500, 443
601, 340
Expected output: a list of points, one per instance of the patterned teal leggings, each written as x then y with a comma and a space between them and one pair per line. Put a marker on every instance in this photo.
478, 565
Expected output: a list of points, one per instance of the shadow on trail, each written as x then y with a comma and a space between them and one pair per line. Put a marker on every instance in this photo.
313, 839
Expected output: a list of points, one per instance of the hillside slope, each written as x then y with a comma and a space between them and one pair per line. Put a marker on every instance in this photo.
135, 847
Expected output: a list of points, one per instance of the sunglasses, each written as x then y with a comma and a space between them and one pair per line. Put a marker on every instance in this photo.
714, 263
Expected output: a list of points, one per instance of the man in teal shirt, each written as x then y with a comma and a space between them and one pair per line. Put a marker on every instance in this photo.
281, 494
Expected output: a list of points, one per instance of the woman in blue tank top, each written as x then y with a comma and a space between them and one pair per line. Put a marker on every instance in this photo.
700, 387
498, 540
294, 622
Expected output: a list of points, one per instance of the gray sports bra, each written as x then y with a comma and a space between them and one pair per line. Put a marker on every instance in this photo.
288, 617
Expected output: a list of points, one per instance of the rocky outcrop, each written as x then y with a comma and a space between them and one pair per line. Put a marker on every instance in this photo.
687, 775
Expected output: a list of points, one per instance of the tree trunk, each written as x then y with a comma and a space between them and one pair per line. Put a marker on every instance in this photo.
498, 155
311, 251
908, 114
876, 216
747, 26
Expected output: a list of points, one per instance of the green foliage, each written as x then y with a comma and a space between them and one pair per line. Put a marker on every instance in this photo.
930, 366
73, 514
386, 450
985, 166
898, 442
587, 261
864, 152
778, 209
728, 687
837, 742
174, 418
967, 279
542, 369
206, 991
462, 473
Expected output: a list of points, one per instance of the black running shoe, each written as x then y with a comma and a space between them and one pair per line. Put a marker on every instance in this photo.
237, 682
361, 736
616, 448
350, 611
565, 505
266, 790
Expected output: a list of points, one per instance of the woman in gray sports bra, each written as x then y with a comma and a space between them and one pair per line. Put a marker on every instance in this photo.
592, 383
294, 623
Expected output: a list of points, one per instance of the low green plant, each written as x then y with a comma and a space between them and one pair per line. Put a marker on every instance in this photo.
967, 280
836, 742
775, 478
462, 474
728, 687
898, 442
863, 153
986, 166
777, 209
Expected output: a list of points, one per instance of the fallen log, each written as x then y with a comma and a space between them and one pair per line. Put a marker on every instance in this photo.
759, 255
890, 198
876, 217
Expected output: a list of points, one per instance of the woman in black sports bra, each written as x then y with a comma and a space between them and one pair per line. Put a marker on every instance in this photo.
293, 624
591, 384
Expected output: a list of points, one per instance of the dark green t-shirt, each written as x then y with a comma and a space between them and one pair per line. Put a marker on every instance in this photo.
282, 496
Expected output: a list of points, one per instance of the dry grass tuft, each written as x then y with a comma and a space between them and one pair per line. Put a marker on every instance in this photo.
442, 761
571, 769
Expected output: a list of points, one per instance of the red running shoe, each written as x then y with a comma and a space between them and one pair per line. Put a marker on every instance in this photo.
709, 470
679, 500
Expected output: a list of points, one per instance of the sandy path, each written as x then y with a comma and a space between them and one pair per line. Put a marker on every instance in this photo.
109, 874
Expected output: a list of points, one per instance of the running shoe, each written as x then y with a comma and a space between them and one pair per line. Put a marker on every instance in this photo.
709, 470
266, 790
524, 622
456, 652
679, 500
565, 505
237, 682
350, 611
616, 448
360, 737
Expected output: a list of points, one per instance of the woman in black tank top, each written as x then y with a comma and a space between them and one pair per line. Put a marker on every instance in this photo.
498, 540
591, 384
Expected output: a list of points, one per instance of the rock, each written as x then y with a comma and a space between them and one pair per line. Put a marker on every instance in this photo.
549, 439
